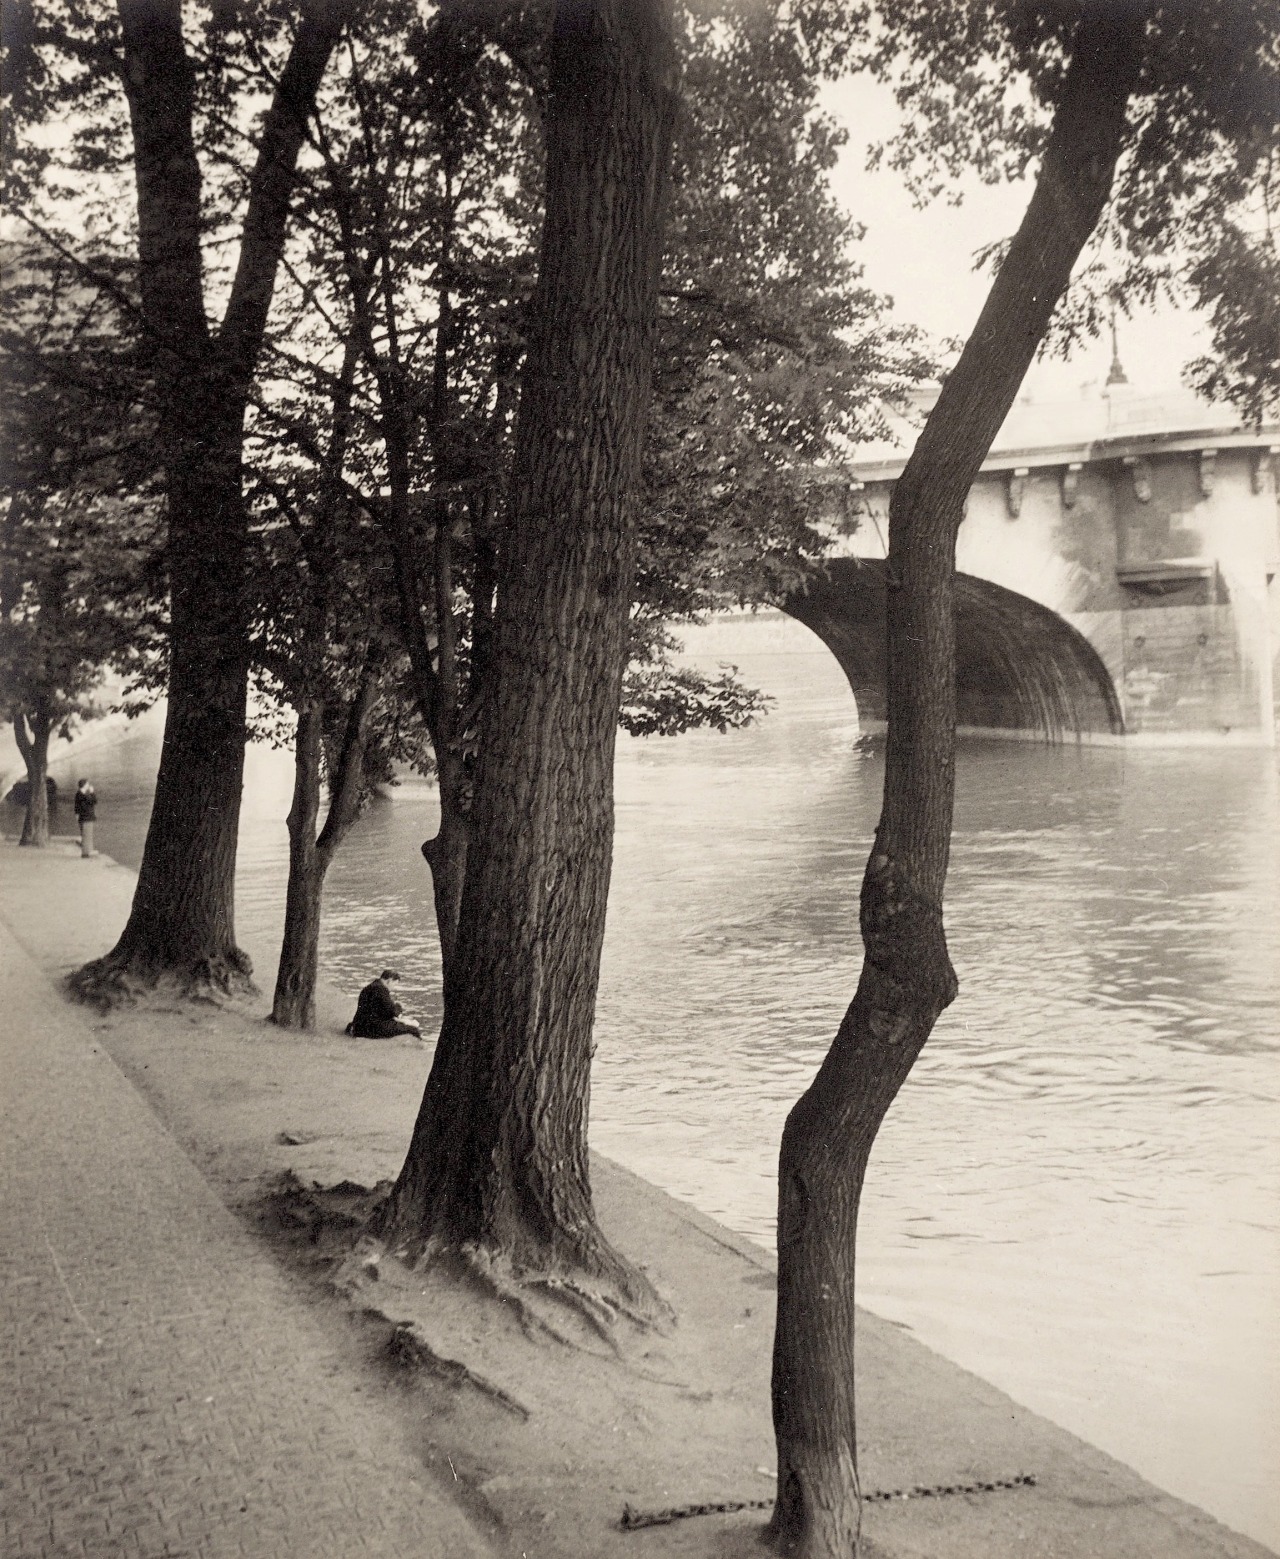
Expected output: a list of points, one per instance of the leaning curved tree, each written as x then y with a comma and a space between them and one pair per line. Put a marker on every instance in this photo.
1177, 106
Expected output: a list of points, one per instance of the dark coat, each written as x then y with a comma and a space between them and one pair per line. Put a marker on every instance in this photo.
86, 805
376, 1013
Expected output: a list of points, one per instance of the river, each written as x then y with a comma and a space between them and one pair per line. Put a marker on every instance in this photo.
1077, 1194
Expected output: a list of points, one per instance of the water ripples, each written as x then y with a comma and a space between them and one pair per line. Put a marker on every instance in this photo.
1077, 1192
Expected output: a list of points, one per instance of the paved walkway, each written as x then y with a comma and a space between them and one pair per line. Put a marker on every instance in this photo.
163, 1392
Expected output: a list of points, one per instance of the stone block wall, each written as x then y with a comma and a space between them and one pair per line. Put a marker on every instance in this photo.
1183, 671
1159, 541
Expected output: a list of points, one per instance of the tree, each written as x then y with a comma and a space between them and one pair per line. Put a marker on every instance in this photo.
347, 734
75, 582
1237, 282
498, 1159
322, 653
1158, 90
429, 228
178, 86
415, 259
1197, 229
79, 586
324, 650
416, 253
405, 282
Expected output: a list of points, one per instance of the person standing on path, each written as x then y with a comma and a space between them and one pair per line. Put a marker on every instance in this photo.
86, 804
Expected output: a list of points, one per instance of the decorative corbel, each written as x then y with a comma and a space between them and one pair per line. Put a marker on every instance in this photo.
1208, 459
1016, 487
1071, 484
1140, 470
1259, 465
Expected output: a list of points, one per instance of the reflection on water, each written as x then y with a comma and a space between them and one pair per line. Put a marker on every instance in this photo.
1077, 1193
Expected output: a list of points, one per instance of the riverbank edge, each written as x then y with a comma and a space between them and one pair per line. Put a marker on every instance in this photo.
240, 1102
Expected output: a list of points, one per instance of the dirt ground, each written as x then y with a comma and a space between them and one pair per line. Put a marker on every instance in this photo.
550, 1442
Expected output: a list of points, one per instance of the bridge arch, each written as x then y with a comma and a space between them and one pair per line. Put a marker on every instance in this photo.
1019, 666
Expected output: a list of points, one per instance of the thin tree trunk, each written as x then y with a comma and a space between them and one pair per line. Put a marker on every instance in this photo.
907, 979
498, 1158
34, 747
181, 924
310, 856
294, 1004
446, 854
435, 685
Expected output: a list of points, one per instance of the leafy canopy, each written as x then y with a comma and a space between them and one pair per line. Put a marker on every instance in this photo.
1192, 216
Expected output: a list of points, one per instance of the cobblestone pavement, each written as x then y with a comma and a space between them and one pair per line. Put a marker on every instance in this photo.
163, 1393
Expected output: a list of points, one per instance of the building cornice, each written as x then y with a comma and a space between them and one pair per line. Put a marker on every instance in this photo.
1114, 447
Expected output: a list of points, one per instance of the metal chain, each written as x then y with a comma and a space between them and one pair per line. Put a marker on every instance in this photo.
634, 1520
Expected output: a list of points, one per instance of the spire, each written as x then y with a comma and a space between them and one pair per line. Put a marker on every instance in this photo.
1117, 374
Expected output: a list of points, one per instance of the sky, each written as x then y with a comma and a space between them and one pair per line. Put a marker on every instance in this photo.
924, 258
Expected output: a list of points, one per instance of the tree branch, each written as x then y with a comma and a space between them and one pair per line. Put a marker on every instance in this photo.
272, 183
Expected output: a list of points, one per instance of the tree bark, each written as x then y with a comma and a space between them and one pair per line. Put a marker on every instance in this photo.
34, 747
498, 1158
293, 1004
310, 856
446, 855
182, 924
907, 979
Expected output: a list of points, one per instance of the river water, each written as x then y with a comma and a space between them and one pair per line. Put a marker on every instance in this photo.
1077, 1194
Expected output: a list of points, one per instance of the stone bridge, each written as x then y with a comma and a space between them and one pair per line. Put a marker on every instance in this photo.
1117, 576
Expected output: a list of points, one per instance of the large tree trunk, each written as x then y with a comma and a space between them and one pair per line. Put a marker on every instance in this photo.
310, 856
181, 924
34, 747
498, 1158
182, 920
907, 979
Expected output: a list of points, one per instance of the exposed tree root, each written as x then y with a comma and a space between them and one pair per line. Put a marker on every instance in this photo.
104, 985
114, 981
410, 1348
566, 1308
600, 1311
495, 1277
333, 1218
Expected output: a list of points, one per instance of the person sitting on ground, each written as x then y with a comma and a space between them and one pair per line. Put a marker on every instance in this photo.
378, 1012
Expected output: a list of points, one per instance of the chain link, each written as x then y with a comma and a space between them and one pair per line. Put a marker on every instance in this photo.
634, 1520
